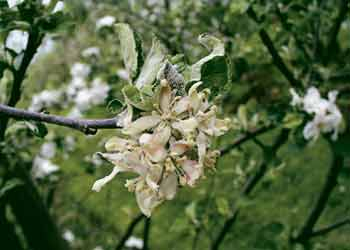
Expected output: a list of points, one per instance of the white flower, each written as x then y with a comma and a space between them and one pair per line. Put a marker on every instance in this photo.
17, 40
48, 150
92, 51
58, 7
123, 74
105, 21
134, 242
80, 70
83, 99
45, 2
327, 117
68, 236
98, 248
45, 99
99, 91
13, 3
43, 167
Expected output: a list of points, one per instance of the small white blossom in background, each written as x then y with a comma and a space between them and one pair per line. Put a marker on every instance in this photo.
123, 74
68, 236
92, 51
80, 70
45, 99
17, 40
48, 150
43, 167
326, 115
98, 248
105, 21
58, 7
166, 147
134, 242
13, 3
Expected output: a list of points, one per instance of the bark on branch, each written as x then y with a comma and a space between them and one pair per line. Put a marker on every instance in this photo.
87, 126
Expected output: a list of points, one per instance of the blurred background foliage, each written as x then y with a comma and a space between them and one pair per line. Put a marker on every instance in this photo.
314, 49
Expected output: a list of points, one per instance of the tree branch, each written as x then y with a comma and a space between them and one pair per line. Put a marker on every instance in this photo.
129, 231
343, 10
246, 137
330, 183
330, 228
34, 41
250, 185
146, 231
88, 126
276, 58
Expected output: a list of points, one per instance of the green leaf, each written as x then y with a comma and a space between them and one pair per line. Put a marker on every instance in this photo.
223, 206
292, 120
139, 99
10, 184
131, 49
115, 106
153, 63
217, 49
37, 128
190, 211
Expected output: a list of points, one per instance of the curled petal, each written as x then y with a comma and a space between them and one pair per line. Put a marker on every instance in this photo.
101, 182
142, 124
182, 105
332, 96
118, 144
147, 200
311, 130
168, 187
195, 98
125, 117
193, 171
179, 147
186, 126
156, 152
202, 144
165, 96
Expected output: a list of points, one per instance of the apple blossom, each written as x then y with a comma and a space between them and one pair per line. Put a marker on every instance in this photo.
166, 147
326, 115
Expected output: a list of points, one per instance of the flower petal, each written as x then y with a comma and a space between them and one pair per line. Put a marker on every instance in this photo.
168, 187
101, 182
186, 126
118, 144
147, 200
142, 124
165, 96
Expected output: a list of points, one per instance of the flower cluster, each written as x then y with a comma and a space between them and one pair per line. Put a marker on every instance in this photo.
166, 147
326, 115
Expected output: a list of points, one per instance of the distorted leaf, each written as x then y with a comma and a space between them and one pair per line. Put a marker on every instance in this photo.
131, 49
153, 63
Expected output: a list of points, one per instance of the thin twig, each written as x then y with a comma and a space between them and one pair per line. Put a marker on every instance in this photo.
245, 137
276, 58
343, 10
250, 185
330, 228
330, 183
129, 231
34, 41
88, 126
146, 232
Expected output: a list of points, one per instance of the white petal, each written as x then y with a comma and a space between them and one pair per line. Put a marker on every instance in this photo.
142, 124
192, 171
332, 96
186, 126
168, 187
165, 96
179, 147
202, 144
296, 99
147, 200
125, 117
181, 105
311, 131
101, 182
118, 144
